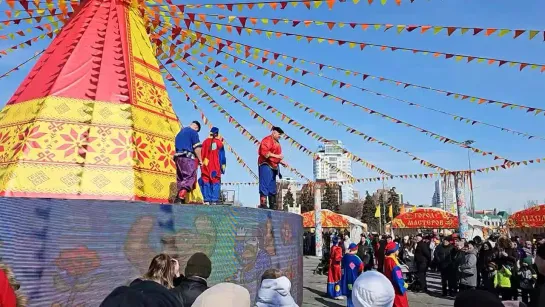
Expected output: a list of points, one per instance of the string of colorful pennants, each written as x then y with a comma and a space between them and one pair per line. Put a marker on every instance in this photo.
342, 84
16, 68
436, 175
265, 122
365, 45
230, 118
399, 28
261, 4
40, 7
28, 42
343, 101
272, 57
284, 117
254, 115
207, 122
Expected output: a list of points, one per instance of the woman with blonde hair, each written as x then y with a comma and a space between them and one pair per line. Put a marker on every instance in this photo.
152, 289
162, 270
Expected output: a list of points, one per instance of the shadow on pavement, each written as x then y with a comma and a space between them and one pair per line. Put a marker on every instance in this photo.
320, 293
328, 303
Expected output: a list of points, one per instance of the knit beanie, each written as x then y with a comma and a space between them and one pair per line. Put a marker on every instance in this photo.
198, 265
372, 289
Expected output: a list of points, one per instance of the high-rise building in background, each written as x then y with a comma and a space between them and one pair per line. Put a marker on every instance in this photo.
444, 196
282, 187
333, 153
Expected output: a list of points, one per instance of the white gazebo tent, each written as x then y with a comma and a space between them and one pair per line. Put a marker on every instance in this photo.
356, 228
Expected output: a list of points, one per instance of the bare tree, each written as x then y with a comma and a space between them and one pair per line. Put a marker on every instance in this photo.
353, 208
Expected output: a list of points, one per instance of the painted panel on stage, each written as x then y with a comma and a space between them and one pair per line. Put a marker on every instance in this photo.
75, 252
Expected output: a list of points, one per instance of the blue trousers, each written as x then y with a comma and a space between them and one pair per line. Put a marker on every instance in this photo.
210, 191
267, 180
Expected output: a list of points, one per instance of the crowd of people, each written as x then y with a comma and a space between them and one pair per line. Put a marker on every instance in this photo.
506, 269
164, 286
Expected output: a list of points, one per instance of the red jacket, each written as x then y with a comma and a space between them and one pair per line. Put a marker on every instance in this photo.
7, 295
269, 145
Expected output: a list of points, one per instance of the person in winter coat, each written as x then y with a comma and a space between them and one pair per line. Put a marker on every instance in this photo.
380, 252
197, 271
527, 278
334, 272
486, 255
457, 258
442, 260
538, 298
150, 290
372, 289
224, 295
422, 258
468, 269
508, 257
275, 290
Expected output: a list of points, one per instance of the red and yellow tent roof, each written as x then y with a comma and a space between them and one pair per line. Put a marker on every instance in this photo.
93, 118
329, 219
426, 218
533, 217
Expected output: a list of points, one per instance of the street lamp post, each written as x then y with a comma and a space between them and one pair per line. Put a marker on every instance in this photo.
471, 198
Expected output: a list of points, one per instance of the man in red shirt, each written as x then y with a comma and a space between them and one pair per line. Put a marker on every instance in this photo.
270, 156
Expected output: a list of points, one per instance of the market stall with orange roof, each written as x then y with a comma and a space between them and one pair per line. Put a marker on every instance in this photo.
329, 219
528, 222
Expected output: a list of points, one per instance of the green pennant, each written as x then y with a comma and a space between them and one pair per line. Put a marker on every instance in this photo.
532, 33
317, 4
437, 30
264, 21
400, 28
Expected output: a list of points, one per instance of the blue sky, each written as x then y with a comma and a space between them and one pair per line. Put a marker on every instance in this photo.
503, 190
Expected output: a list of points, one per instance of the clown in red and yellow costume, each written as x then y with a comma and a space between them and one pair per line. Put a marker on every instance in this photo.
392, 271
270, 157
213, 166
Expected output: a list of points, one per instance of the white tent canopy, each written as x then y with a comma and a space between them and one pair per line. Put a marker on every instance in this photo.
356, 228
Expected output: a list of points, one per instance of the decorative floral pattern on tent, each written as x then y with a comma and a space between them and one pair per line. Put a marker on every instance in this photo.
426, 218
329, 220
528, 218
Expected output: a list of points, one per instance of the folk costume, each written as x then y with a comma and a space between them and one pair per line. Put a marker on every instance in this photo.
334, 272
269, 169
186, 160
213, 166
392, 270
352, 266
